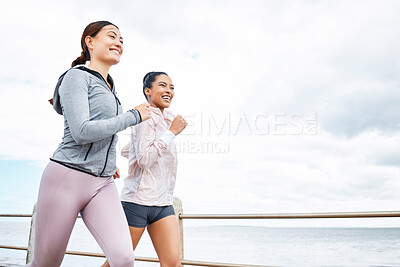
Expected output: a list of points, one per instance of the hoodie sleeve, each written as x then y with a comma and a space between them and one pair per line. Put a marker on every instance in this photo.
74, 98
148, 148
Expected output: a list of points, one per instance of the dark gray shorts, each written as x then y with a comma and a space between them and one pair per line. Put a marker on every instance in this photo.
141, 216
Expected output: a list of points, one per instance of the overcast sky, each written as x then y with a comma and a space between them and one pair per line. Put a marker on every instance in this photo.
293, 105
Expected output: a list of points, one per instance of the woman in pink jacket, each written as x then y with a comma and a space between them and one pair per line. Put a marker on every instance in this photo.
147, 196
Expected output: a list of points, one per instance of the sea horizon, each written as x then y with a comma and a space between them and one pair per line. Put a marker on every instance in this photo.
244, 244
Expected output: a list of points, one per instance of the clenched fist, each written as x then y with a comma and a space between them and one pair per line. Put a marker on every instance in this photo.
177, 125
117, 174
144, 110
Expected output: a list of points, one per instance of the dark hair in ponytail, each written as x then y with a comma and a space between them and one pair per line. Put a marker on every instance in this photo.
149, 78
91, 30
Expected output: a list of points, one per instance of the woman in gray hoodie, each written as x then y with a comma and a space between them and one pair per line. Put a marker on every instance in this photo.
80, 175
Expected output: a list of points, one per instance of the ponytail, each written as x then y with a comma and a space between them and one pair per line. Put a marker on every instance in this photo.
79, 60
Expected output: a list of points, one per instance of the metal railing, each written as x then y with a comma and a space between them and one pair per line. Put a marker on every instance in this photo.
147, 259
180, 216
323, 215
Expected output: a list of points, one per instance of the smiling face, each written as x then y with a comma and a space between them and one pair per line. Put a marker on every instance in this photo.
161, 93
107, 46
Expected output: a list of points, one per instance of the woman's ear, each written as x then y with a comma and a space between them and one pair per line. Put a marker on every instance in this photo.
89, 41
147, 91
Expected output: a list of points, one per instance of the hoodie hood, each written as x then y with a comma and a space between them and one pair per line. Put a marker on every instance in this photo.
56, 97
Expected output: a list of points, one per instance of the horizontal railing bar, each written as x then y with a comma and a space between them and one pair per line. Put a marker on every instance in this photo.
148, 259
324, 215
216, 264
14, 247
16, 215
22, 215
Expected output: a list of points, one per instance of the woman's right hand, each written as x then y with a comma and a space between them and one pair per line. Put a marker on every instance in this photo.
144, 110
178, 125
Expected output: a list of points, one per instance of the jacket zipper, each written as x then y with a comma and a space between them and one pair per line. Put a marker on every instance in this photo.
95, 73
112, 139
87, 153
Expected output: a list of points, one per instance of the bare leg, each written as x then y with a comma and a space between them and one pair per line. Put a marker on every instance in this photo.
136, 234
165, 237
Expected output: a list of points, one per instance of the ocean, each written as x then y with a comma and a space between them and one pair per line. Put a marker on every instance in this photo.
261, 245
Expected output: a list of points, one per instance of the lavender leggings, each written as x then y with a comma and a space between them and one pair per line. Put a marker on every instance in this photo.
64, 193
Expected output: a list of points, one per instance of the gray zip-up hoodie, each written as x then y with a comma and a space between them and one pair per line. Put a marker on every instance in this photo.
92, 117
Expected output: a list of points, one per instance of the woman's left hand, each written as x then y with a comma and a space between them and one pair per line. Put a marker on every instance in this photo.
117, 174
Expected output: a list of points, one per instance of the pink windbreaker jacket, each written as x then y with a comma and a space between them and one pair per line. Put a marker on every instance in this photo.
152, 161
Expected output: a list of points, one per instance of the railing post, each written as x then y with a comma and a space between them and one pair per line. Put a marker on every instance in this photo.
178, 211
31, 242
